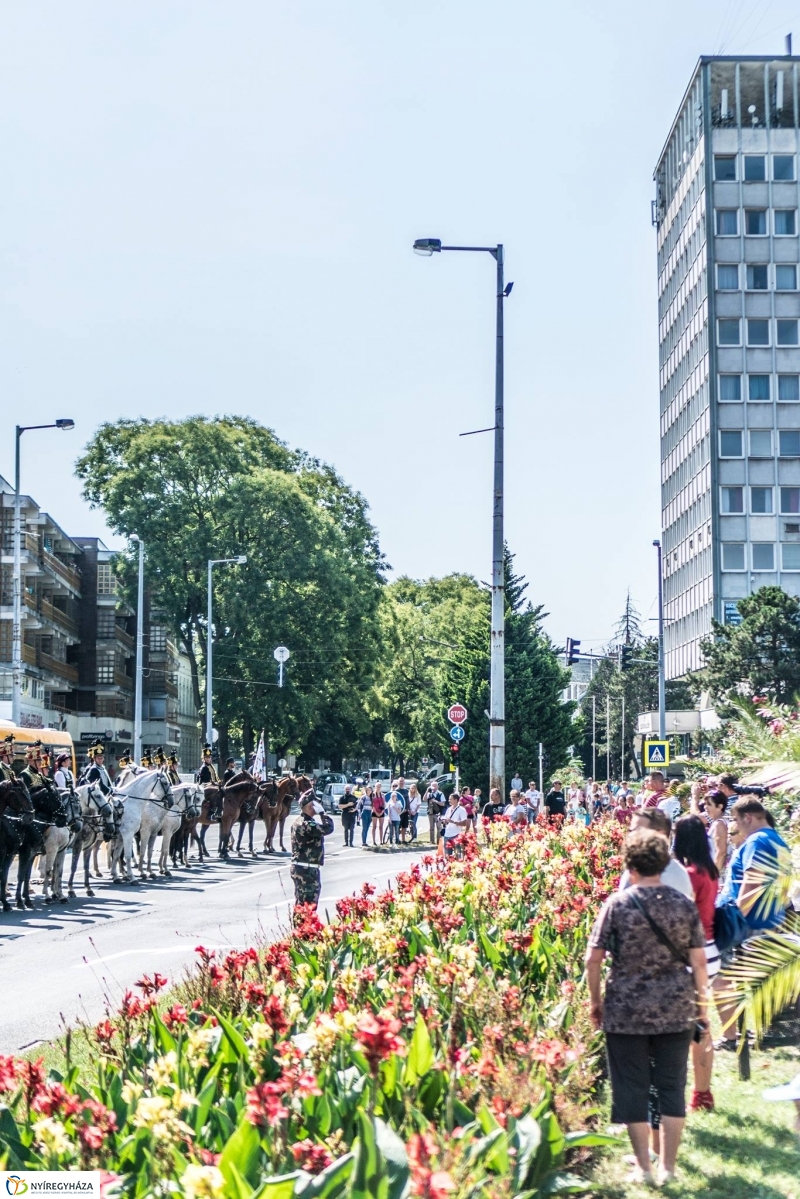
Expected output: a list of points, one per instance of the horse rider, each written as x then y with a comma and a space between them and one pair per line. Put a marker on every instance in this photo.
95, 769
32, 774
160, 758
6, 759
308, 850
124, 761
63, 777
230, 770
172, 771
207, 776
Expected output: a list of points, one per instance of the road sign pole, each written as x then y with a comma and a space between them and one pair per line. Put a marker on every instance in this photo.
541, 769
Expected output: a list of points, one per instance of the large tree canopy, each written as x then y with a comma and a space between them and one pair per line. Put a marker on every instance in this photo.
760, 656
198, 489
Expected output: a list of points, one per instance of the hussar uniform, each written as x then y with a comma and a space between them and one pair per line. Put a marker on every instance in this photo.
32, 775
308, 856
6, 773
146, 762
172, 771
95, 772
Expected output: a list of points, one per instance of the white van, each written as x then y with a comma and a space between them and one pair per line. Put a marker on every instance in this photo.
379, 775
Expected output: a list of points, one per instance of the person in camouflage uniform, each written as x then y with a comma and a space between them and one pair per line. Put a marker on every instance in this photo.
308, 850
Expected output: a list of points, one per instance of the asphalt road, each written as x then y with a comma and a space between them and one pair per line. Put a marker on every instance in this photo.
65, 963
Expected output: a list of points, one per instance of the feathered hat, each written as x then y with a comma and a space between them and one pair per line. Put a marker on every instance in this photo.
160, 756
33, 751
94, 750
145, 759
124, 759
206, 749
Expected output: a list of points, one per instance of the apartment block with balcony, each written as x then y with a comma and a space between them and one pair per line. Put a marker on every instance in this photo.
51, 603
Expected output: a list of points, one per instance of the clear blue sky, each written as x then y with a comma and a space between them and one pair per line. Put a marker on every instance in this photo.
209, 208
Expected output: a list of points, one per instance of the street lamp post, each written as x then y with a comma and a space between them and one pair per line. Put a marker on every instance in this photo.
16, 631
662, 686
240, 561
137, 712
497, 732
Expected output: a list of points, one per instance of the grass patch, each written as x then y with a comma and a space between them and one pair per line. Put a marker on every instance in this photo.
746, 1149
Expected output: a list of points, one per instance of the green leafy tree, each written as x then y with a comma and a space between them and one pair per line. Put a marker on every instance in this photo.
199, 489
760, 656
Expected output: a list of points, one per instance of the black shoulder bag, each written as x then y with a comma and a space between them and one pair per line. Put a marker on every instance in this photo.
660, 935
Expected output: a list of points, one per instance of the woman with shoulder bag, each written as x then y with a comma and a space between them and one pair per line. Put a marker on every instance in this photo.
655, 1001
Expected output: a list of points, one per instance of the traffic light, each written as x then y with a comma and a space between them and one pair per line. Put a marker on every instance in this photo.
573, 651
625, 657
454, 753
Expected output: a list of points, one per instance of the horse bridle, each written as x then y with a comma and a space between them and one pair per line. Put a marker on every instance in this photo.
166, 800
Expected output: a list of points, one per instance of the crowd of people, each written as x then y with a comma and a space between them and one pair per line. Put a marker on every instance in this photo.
705, 875
703, 879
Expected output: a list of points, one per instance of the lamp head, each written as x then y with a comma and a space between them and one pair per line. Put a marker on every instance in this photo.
65, 423
657, 543
426, 246
240, 561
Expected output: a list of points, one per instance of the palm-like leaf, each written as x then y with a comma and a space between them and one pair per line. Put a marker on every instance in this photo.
765, 978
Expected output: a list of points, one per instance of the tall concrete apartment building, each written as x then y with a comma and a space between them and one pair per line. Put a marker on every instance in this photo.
726, 215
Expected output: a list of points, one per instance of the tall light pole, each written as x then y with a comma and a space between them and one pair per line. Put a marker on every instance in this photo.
212, 562
137, 709
662, 686
16, 631
497, 705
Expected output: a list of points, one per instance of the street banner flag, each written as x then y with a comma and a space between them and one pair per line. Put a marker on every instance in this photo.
259, 762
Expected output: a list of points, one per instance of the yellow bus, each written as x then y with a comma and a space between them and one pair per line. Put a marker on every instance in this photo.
53, 740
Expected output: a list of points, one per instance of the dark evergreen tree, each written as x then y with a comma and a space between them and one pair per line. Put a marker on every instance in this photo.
760, 656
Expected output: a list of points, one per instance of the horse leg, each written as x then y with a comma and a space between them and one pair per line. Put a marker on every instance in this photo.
76, 853
241, 834
95, 862
58, 876
282, 823
251, 825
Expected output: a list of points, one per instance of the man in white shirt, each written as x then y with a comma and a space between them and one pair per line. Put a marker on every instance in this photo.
454, 822
516, 782
675, 874
533, 800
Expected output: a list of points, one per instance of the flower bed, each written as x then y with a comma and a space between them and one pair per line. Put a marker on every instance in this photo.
424, 1041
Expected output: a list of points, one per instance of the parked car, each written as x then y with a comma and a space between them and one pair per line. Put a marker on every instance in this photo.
331, 796
332, 776
379, 775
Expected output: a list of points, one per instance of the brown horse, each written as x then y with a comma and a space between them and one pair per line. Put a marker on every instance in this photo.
297, 786
238, 797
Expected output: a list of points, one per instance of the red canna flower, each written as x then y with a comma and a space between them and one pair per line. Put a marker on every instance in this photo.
265, 1104
377, 1036
150, 986
8, 1073
208, 1157
176, 1015
104, 1033
310, 1156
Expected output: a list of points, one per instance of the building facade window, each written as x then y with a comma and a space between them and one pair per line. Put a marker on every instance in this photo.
790, 555
761, 500
758, 332
786, 277
724, 167
755, 168
727, 222
782, 166
732, 500
758, 387
158, 638
787, 333
789, 387
732, 555
790, 501
106, 582
730, 443
755, 222
785, 222
763, 555
106, 662
789, 441
760, 443
757, 279
730, 387
106, 623
729, 332
728, 277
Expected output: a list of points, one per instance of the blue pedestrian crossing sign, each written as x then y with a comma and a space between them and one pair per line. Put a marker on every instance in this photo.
457, 733
656, 755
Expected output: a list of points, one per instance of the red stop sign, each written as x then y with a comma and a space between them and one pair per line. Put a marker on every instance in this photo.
457, 714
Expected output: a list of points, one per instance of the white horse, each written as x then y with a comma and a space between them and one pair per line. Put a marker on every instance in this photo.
57, 840
145, 797
188, 798
96, 811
